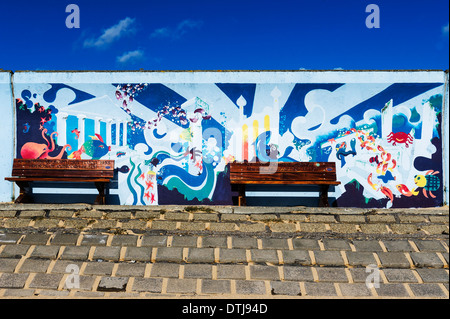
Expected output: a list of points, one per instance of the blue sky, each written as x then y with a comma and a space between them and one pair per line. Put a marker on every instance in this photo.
224, 35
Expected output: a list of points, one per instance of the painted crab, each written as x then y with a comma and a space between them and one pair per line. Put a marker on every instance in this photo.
430, 183
400, 137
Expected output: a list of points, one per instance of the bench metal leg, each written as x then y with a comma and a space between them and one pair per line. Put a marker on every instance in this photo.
241, 198
100, 199
323, 199
25, 193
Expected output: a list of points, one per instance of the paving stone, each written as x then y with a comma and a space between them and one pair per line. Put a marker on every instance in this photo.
392, 290
216, 286
435, 229
264, 272
313, 227
352, 219
300, 257
35, 239
230, 272
439, 219
198, 271
164, 224
331, 274
17, 222
263, 256
321, 218
9, 239
253, 287
400, 275
328, 258
306, 244
393, 260
53, 293
280, 227
118, 215
64, 239
206, 217
182, 286
46, 281
98, 268
359, 274
77, 223
106, 253
381, 218
274, 243
167, 270
134, 224
222, 227
49, 252
138, 254
214, 242
75, 253
192, 226
426, 259
176, 216
320, 289
147, 215
7, 213
232, 255
367, 245
153, 285
200, 255
31, 213
130, 270
398, 245
233, 217
124, 240
244, 242
184, 241
34, 265
60, 266
373, 228
263, 217
336, 244
404, 228
343, 228
296, 273
360, 258
46, 223
254, 227
94, 240
154, 241
89, 294
355, 290
8, 280
430, 245
61, 213
169, 254
112, 284
433, 275
427, 290
89, 214
412, 218
14, 251
18, 293
285, 288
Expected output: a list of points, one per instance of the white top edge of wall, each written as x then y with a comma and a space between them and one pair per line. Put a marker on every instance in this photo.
232, 77
5, 77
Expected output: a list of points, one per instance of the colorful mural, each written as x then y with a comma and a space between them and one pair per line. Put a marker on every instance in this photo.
171, 142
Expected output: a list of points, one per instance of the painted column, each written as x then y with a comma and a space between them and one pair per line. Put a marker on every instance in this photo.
108, 140
125, 129
97, 121
117, 132
61, 128
81, 119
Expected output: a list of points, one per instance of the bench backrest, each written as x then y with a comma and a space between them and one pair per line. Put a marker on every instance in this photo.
286, 172
63, 168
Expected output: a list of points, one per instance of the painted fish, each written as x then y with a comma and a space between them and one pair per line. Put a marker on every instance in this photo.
374, 159
26, 128
404, 190
386, 191
124, 169
369, 180
119, 154
387, 177
94, 148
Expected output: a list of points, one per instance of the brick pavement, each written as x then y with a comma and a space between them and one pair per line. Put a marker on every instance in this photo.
256, 252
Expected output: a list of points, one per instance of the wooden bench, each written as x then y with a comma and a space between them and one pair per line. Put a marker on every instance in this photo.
24, 171
298, 173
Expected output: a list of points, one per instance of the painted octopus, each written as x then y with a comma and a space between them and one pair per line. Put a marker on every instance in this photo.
32, 150
400, 137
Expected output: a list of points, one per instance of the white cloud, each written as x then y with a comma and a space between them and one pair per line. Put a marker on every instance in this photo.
123, 27
445, 30
175, 33
130, 56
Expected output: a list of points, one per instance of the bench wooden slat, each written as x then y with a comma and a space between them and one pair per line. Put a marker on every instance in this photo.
100, 172
283, 173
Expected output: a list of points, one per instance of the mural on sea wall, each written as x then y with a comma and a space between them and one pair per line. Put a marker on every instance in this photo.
171, 142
